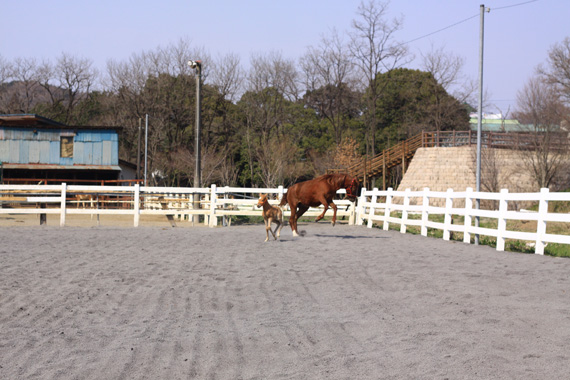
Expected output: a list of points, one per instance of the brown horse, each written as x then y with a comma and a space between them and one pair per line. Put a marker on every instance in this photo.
315, 192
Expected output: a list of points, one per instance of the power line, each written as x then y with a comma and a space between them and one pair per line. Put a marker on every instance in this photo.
464, 20
514, 5
440, 30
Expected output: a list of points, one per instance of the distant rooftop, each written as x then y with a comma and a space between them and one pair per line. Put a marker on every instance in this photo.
36, 121
496, 123
27, 119
488, 116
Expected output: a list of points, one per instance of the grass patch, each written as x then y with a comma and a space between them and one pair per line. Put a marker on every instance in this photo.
551, 249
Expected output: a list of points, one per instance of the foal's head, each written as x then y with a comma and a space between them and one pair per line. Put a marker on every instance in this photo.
262, 199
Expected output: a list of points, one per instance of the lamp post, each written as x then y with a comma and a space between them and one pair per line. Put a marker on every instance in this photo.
145, 148
197, 172
198, 66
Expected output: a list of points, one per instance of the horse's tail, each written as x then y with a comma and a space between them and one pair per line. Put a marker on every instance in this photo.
283, 201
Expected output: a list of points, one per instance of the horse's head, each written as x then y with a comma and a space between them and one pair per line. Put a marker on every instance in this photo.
262, 199
352, 187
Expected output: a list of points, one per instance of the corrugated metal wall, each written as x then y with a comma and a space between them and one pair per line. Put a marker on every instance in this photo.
90, 147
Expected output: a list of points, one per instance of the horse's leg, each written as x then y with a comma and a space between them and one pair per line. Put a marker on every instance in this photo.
276, 233
323, 213
279, 224
302, 209
333, 206
293, 219
268, 228
325, 202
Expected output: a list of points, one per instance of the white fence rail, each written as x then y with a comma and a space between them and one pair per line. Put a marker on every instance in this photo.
216, 204
219, 204
377, 206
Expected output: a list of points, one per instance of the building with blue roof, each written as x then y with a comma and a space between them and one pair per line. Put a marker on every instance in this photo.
37, 148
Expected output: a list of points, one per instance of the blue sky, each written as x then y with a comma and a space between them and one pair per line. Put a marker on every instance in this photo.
518, 33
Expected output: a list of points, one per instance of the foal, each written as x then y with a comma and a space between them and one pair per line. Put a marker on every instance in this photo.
270, 214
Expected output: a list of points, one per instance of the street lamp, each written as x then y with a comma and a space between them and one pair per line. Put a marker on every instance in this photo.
198, 66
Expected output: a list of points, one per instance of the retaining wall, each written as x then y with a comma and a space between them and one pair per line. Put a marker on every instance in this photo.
440, 169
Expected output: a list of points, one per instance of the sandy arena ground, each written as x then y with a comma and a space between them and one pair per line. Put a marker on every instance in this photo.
344, 302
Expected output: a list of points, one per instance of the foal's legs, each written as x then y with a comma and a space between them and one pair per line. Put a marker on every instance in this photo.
268, 228
279, 222
277, 231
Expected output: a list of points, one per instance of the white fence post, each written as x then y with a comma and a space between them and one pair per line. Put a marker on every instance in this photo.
360, 208
206, 214
405, 211
502, 220
468, 215
373, 199
213, 198
63, 204
225, 219
371, 210
541, 222
425, 212
136, 204
447, 218
389, 197
352, 215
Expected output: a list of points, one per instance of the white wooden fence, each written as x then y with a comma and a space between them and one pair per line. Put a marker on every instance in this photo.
215, 203
219, 204
378, 206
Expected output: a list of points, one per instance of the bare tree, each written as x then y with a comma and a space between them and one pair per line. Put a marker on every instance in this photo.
5, 76
273, 71
329, 83
540, 107
24, 94
557, 73
159, 83
68, 82
228, 172
5, 70
227, 76
277, 161
375, 50
271, 85
446, 69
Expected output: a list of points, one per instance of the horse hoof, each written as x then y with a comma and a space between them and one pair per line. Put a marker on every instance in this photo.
295, 233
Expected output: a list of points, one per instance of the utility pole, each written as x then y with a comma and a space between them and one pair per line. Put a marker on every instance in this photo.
480, 114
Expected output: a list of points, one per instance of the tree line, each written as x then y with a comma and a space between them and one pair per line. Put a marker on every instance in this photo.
276, 122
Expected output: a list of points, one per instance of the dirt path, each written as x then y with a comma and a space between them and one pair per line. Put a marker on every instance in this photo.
340, 303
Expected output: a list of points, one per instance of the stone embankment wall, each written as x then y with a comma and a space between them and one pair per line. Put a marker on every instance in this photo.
440, 169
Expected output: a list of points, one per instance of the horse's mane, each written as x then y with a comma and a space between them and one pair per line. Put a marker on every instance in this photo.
333, 179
